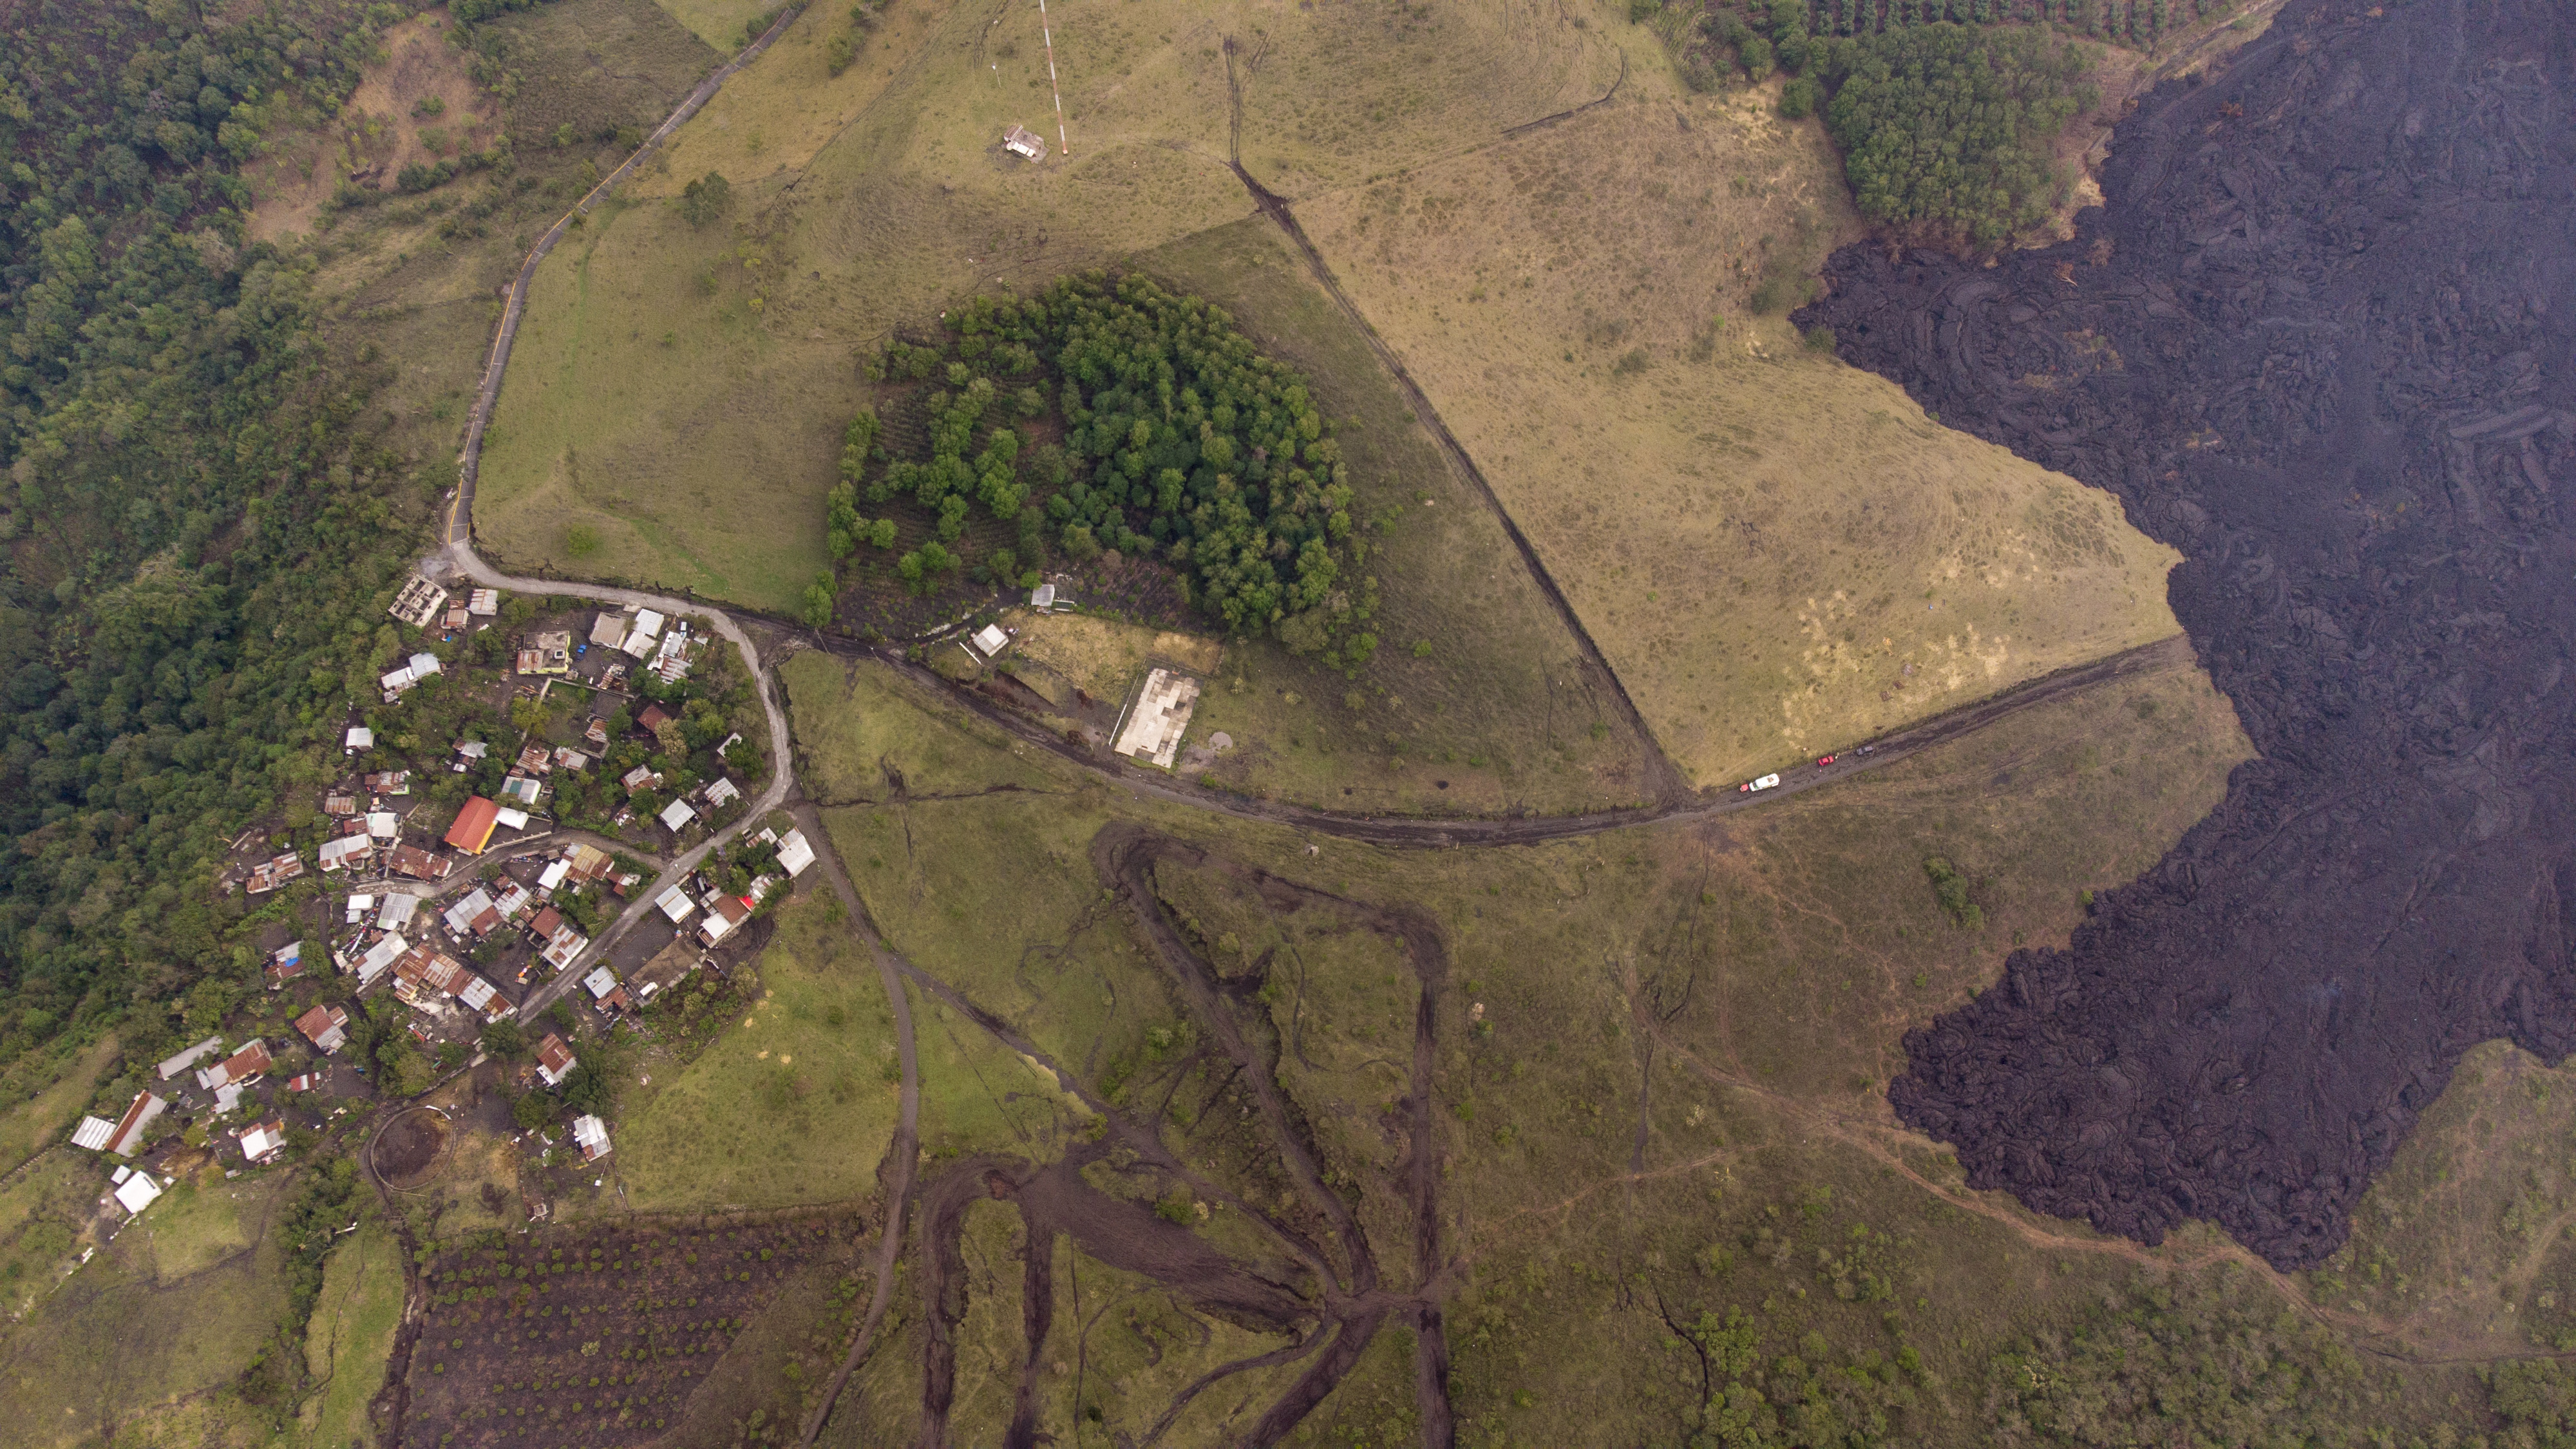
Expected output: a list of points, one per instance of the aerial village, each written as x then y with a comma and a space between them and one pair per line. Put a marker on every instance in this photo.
478, 900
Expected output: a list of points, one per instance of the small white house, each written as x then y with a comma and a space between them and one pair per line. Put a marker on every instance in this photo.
592, 1136
676, 815
359, 738
675, 903
990, 640
1021, 141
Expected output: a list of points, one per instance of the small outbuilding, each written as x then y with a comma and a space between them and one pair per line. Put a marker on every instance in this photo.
1021, 141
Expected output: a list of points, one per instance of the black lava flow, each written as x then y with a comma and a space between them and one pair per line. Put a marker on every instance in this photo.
2321, 337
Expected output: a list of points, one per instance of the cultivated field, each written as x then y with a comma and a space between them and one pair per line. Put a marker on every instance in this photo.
1779, 554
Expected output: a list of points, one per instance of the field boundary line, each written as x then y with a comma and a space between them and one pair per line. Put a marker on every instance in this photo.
469, 461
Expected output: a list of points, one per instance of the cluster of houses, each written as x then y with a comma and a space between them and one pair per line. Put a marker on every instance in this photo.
210, 1078
725, 911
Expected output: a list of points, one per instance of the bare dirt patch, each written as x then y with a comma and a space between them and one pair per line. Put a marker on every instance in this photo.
406, 1153
416, 107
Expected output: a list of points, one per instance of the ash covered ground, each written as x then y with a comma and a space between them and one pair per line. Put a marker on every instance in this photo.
2320, 339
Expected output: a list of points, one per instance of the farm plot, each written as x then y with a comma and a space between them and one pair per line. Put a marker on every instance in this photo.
597, 1337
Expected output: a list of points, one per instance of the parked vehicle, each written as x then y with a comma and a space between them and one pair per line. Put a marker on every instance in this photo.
1824, 760
1765, 783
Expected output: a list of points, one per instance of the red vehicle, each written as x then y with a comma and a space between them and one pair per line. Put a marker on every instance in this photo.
1824, 760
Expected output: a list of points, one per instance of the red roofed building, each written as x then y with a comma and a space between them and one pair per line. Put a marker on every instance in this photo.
554, 1060
247, 1065
473, 827
324, 1026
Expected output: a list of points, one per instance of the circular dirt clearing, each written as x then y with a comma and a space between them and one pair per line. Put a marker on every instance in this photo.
407, 1150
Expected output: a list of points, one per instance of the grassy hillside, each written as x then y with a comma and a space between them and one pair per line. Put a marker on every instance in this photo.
1780, 554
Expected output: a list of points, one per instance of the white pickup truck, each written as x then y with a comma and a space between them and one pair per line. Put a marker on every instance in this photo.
1765, 783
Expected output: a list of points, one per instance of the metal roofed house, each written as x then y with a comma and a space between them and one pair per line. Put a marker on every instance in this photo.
457, 617
653, 718
358, 738
724, 912
596, 736
990, 640
640, 632
419, 602
325, 1026
1021, 141
676, 816
794, 854
553, 877
474, 914
342, 805
510, 817
545, 922
483, 601
639, 779
473, 828
123, 1135
240, 1069
417, 863
721, 790
285, 964
522, 788
563, 947
359, 906
610, 629
568, 758
390, 782
602, 985
383, 824
189, 1058
384, 953
261, 1143
397, 911
276, 871
346, 853
1042, 598
137, 1193
1161, 715
536, 759
591, 1135
674, 903
514, 901
554, 1059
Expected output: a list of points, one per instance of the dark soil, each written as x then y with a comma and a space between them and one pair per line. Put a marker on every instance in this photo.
408, 1148
590, 1337
2319, 339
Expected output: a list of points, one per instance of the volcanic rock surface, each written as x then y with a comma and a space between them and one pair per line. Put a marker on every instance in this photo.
2321, 338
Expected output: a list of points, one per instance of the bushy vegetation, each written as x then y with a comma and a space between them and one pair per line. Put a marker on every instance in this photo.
1180, 442
2221, 1361
197, 529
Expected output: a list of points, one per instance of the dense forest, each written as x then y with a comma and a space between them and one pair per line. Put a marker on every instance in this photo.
197, 530
1166, 434
1945, 128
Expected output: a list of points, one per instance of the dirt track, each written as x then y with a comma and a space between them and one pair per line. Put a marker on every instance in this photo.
2319, 339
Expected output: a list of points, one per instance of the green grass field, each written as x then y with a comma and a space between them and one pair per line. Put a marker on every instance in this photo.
1672, 1098
128, 1349
351, 1336
791, 1104
57, 1087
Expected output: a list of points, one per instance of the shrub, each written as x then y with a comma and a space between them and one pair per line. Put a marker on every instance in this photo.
1950, 888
